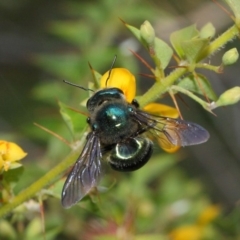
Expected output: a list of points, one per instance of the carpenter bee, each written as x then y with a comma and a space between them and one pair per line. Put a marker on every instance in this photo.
121, 131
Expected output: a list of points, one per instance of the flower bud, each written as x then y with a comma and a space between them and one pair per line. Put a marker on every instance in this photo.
147, 32
230, 57
229, 97
207, 31
9, 153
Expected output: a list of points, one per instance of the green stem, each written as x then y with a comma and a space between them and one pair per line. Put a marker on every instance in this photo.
216, 69
204, 104
161, 87
219, 42
39, 184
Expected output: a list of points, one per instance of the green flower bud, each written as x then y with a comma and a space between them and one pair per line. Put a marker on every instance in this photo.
147, 32
207, 31
230, 57
229, 97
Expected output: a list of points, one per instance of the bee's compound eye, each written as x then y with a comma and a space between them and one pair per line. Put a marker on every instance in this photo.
88, 120
131, 155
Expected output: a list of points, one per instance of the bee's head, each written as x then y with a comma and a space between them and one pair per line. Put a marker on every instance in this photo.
104, 95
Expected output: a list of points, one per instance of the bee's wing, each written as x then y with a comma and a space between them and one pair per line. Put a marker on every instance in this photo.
170, 131
85, 173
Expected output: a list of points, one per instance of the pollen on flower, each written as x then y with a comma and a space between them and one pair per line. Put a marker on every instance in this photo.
9, 153
120, 78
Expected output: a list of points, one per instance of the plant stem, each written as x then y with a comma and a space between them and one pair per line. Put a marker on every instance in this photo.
161, 87
219, 42
39, 184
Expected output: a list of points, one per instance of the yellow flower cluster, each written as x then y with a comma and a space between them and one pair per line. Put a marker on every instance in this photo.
9, 153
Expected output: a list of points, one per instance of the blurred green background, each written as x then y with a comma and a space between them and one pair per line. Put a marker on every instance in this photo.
44, 42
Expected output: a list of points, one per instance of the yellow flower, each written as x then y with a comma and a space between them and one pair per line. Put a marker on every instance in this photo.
196, 230
9, 153
123, 79
209, 214
120, 78
166, 111
188, 232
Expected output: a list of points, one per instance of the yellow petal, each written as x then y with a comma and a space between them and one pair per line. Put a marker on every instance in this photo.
10, 151
190, 232
120, 78
164, 111
161, 110
1, 163
209, 214
166, 145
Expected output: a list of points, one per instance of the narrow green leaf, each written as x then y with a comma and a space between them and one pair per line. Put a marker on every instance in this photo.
66, 117
96, 76
235, 6
7, 230
201, 85
34, 229
75, 121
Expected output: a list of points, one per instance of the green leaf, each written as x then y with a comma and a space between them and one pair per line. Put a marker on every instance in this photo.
162, 50
12, 176
34, 229
66, 66
75, 121
7, 231
201, 85
76, 32
96, 76
44, 91
182, 35
155, 167
192, 48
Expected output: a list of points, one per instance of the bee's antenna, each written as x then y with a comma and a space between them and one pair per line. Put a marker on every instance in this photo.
109, 74
75, 85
